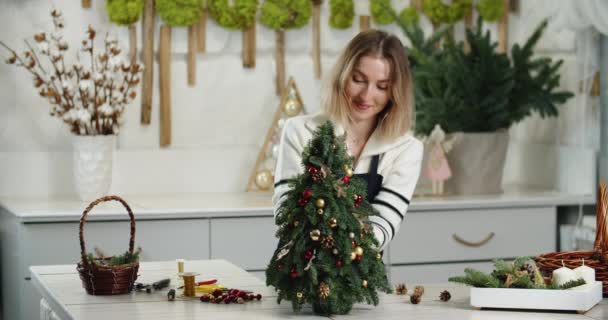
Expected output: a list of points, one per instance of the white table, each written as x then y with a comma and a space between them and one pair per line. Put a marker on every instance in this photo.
62, 292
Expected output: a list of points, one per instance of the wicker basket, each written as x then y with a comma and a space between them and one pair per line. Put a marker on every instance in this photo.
596, 258
100, 279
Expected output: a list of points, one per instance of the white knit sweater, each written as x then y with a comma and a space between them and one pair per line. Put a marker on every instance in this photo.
399, 165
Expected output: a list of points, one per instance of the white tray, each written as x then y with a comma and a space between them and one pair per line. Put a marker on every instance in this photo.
579, 299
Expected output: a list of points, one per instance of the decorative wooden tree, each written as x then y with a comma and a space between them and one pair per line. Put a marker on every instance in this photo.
316, 37
126, 13
240, 16
262, 176
281, 15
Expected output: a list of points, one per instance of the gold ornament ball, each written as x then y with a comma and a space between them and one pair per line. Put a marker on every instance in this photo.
349, 172
351, 235
335, 251
333, 222
264, 179
300, 295
296, 223
292, 108
315, 235
353, 256
359, 251
320, 211
378, 256
320, 203
364, 284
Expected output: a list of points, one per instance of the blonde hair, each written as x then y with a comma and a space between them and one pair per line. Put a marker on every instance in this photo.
398, 116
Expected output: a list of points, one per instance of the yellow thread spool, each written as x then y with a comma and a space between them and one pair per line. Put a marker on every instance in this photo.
189, 290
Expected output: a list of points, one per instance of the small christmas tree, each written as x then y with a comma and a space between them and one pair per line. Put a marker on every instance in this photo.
327, 254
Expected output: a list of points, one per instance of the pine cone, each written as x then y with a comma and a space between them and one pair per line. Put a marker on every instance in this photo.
324, 290
400, 289
328, 242
419, 291
445, 296
415, 299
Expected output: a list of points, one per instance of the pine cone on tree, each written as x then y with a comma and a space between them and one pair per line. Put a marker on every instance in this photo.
324, 290
328, 242
445, 296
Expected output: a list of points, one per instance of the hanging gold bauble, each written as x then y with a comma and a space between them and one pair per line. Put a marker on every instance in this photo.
348, 170
320, 211
378, 256
333, 222
353, 255
320, 203
264, 179
300, 295
292, 108
359, 251
364, 283
315, 235
334, 251
296, 223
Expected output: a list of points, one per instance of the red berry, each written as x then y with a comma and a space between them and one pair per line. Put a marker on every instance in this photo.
294, 275
356, 205
242, 294
205, 298
217, 292
234, 292
302, 202
258, 296
346, 179
359, 258
338, 263
308, 255
227, 300
307, 194
312, 170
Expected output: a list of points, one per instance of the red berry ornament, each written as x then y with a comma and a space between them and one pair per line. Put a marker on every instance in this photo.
346, 179
307, 194
339, 263
308, 255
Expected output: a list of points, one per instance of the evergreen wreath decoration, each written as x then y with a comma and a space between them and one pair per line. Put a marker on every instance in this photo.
439, 12
379, 13
341, 13
490, 10
240, 16
179, 12
409, 16
285, 14
124, 12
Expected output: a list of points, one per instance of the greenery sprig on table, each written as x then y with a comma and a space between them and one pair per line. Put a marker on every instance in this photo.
125, 258
521, 273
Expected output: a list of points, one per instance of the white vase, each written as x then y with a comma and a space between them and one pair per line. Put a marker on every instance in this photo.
93, 165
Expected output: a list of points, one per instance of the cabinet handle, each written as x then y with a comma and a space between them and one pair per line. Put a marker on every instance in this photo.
473, 244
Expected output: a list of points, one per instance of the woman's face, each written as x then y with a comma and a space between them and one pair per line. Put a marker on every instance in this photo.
368, 88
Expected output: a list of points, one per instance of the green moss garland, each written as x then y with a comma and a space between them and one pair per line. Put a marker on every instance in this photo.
240, 16
379, 12
180, 13
409, 16
490, 10
341, 13
441, 13
124, 12
285, 14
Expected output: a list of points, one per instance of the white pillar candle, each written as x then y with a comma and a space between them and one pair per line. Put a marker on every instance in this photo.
563, 275
587, 273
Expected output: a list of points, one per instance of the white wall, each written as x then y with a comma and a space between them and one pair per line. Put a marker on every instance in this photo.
219, 125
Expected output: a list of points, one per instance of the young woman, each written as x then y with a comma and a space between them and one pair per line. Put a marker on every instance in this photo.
369, 98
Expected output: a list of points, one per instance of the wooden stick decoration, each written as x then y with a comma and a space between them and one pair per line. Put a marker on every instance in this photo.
249, 47
281, 15
86, 4
201, 41
468, 24
503, 28
164, 66
192, 48
183, 14
238, 15
148, 60
362, 10
316, 37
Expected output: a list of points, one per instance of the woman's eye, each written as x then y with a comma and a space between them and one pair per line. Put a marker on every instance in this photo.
383, 88
357, 80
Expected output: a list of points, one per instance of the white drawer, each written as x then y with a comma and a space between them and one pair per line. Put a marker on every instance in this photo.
247, 242
434, 273
431, 236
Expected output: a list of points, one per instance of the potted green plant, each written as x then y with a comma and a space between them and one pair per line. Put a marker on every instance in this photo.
480, 93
